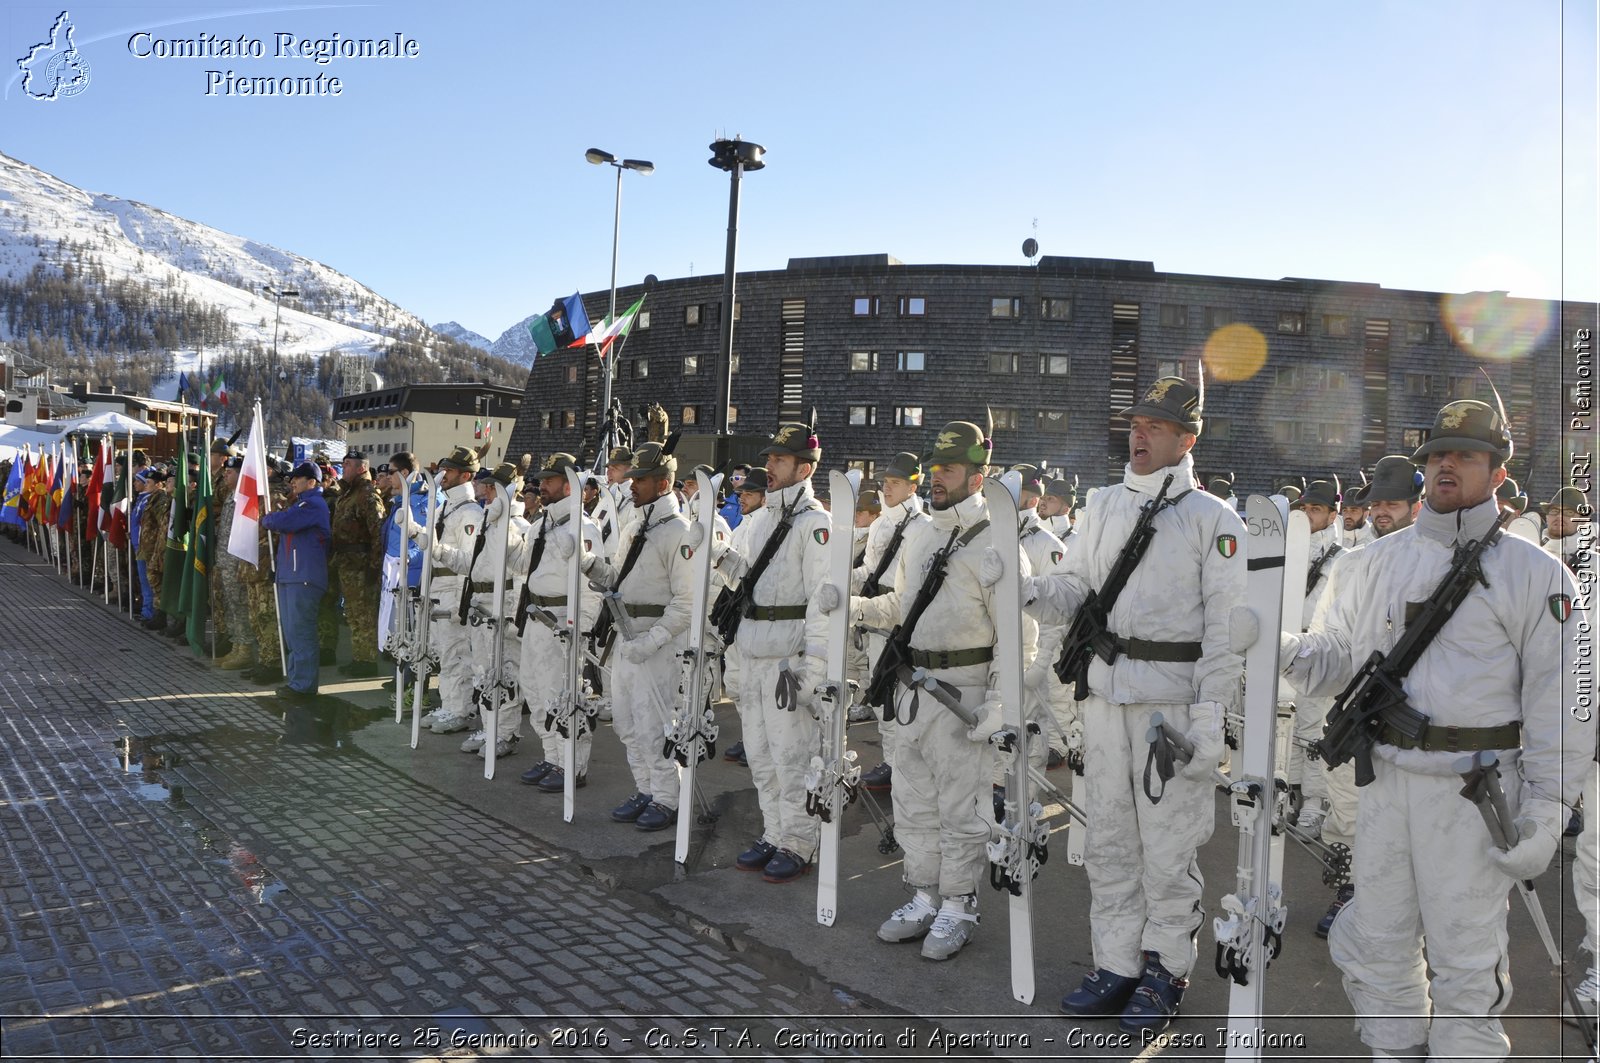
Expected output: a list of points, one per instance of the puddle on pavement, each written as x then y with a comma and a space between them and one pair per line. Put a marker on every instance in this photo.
149, 760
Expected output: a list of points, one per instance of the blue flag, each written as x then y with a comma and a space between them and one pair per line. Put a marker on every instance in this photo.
576, 327
183, 385
9, 514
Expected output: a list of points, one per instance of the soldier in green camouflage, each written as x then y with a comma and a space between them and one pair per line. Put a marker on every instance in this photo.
357, 557
263, 604
227, 583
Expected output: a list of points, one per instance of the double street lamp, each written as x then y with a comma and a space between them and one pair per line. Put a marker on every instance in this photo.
279, 294
605, 158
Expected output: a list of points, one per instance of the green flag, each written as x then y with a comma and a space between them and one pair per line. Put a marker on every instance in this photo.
196, 584
544, 340
177, 531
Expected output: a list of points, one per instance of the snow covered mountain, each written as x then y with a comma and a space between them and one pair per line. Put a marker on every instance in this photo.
462, 334
44, 220
515, 344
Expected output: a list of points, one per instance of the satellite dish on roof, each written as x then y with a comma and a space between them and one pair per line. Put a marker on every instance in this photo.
1030, 248
651, 280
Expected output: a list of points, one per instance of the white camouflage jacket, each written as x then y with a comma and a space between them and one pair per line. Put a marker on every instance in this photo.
549, 580
796, 571
881, 533
661, 576
1184, 589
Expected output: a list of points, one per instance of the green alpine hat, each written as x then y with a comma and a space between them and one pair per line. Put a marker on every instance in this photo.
1570, 497
507, 475
1512, 495
1319, 493
462, 459
1171, 398
755, 480
905, 465
1032, 477
1467, 424
650, 460
557, 465
1221, 486
796, 440
620, 456
1394, 479
960, 442
1062, 489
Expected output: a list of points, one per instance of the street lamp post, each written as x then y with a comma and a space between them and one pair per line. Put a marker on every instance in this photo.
735, 156
608, 366
279, 294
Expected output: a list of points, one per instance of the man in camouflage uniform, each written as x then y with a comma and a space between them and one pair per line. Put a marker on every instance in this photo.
328, 611
227, 582
357, 557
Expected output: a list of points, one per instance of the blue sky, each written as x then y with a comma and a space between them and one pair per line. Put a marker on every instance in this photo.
1430, 144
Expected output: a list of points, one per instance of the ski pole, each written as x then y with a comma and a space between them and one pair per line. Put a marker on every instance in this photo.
1481, 773
942, 692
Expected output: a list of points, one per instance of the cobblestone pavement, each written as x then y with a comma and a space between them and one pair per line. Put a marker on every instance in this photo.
193, 871
190, 873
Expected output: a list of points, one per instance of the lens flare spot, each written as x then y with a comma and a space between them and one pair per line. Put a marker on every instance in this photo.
1235, 352
1494, 326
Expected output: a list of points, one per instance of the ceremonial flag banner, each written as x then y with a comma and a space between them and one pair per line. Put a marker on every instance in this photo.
220, 389
66, 498
9, 511
572, 329
544, 341
173, 601
183, 386
97, 482
196, 587
244, 535
613, 328
52, 487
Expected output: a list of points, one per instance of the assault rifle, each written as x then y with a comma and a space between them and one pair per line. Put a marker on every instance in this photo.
1376, 695
897, 647
1088, 637
727, 612
1315, 573
873, 585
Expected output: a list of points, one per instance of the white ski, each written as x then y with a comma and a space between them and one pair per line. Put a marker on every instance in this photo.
572, 670
831, 783
494, 695
692, 735
422, 652
1251, 926
1018, 847
1296, 571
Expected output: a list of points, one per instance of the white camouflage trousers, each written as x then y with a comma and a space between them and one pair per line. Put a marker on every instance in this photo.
943, 809
1423, 877
1144, 881
1586, 865
542, 663
779, 743
643, 696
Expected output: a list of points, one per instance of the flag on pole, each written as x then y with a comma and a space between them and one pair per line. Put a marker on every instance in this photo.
569, 321
221, 390
97, 482
172, 598
66, 499
244, 535
544, 341
613, 328
196, 587
9, 511
52, 487
183, 386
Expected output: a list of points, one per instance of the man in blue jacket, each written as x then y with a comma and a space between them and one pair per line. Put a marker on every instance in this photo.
303, 529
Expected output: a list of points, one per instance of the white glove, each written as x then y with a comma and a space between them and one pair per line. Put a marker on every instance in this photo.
1538, 834
642, 648
436, 549
420, 533
828, 598
990, 567
990, 717
1244, 628
814, 674
1037, 677
586, 562
1288, 649
563, 545
1205, 735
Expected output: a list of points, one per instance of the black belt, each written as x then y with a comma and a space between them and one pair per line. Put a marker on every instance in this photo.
951, 658
638, 610
1146, 650
773, 613
1436, 739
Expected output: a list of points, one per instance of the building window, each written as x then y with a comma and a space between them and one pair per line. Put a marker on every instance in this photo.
1465, 335
1412, 438
1217, 316
1419, 331
863, 415
569, 419
691, 315
1219, 428
691, 364
1052, 421
641, 320
1463, 387
910, 361
908, 416
1174, 314
733, 414
1003, 363
866, 306
913, 306
1006, 417
1292, 322
864, 466
1419, 383
572, 377
733, 363
863, 361
1169, 368
1055, 364
1287, 376
1335, 325
1055, 309
1004, 307
641, 368
691, 415
738, 310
